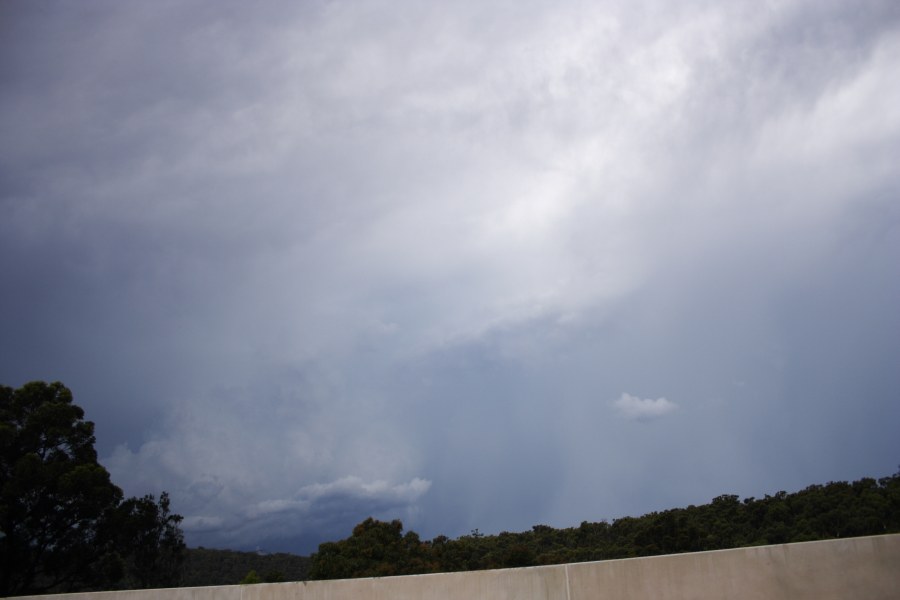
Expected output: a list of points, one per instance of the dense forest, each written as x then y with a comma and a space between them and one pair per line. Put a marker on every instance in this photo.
835, 510
204, 566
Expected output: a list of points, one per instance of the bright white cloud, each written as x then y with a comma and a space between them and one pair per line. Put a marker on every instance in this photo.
643, 409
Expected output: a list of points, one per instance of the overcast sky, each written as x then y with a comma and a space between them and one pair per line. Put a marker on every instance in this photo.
466, 264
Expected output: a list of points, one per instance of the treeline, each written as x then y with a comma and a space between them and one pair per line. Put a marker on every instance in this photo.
64, 526
204, 566
835, 510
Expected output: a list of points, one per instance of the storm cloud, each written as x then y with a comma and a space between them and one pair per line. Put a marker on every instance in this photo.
303, 263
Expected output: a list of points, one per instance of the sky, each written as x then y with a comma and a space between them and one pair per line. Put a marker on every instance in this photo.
470, 265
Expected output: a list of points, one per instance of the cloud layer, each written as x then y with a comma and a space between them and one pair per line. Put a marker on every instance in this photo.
306, 263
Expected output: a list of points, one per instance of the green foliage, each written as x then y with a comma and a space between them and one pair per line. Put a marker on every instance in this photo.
838, 509
63, 524
251, 578
375, 549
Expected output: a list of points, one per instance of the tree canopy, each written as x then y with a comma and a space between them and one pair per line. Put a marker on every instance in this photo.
146, 545
207, 566
837, 509
375, 549
64, 526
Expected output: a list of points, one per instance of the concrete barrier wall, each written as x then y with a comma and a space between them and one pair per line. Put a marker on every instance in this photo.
867, 567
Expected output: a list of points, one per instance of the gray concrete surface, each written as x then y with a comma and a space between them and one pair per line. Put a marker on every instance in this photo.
867, 567
848, 568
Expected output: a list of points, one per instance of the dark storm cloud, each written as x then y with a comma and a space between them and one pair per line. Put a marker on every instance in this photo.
304, 264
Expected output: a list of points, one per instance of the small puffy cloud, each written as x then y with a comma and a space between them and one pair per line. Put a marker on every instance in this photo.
643, 409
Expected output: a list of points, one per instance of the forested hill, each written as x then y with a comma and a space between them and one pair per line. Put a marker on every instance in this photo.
377, 548
203, 566
835, 510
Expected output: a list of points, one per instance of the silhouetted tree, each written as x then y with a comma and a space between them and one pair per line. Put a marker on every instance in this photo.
63, 524
53, 493
146, 542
